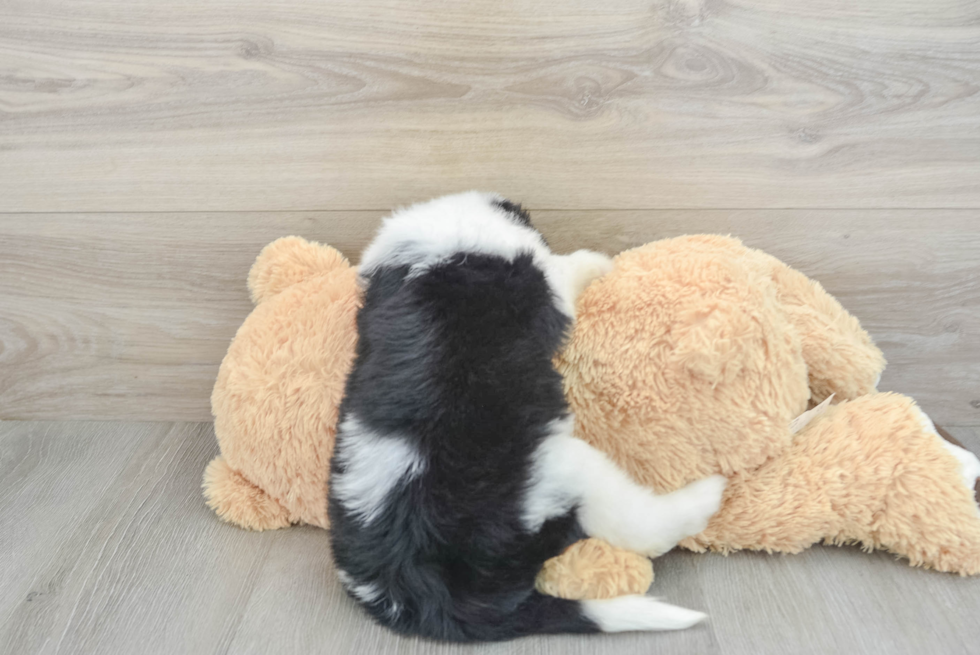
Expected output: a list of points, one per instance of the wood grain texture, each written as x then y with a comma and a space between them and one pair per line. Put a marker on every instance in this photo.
140, 105
108, 548
128, 316
119, 571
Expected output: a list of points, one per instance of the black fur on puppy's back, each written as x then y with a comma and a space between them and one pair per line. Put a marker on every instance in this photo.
457, 362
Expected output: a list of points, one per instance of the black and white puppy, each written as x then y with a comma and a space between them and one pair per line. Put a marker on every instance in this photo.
455, 473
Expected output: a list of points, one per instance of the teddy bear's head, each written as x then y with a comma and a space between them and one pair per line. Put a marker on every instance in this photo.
276, 398
684, 362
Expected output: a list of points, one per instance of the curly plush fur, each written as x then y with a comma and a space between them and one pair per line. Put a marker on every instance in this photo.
275, 402
692, 357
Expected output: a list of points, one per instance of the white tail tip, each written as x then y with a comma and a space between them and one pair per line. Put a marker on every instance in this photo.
628, 613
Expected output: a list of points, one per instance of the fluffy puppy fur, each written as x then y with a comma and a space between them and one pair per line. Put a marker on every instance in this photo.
455, 474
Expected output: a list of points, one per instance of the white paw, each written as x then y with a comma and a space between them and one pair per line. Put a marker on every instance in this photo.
628, 613
571, 274
589, 265
679, 515
694, 505
700, 501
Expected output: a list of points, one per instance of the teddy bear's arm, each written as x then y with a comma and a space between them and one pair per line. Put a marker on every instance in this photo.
841, 358
592, 569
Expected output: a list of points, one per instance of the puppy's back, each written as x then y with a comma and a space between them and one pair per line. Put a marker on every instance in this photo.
451, 392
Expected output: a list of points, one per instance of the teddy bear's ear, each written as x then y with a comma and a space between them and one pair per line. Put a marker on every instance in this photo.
289, 260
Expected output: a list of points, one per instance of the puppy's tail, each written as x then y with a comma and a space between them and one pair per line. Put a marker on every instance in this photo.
541, 614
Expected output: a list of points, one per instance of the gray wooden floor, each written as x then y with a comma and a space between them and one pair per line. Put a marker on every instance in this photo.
107, 547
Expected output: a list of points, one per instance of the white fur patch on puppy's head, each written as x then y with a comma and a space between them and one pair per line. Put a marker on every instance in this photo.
473, 222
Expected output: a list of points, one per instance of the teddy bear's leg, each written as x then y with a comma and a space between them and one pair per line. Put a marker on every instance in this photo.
238, 501
569, 473
870, 471
840, 355
932, 515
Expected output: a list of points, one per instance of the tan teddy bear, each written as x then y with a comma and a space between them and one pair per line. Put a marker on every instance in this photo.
277, 396
692, 357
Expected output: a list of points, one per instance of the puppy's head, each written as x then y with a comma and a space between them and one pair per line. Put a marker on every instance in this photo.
471, 222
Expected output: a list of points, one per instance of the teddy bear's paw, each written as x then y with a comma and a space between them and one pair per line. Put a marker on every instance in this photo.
593, 569
628, 613
238, 501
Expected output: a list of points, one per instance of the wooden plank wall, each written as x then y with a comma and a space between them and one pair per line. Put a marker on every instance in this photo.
149, 149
